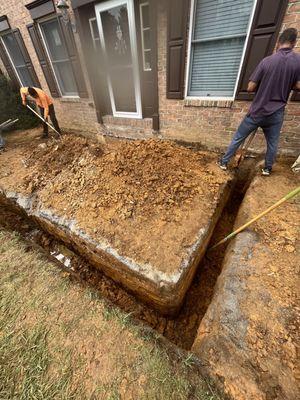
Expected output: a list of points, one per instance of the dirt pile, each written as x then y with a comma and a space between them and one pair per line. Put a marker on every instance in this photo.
50, 158
131, 177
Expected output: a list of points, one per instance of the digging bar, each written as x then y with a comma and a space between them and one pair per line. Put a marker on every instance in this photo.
38, 115
242, 153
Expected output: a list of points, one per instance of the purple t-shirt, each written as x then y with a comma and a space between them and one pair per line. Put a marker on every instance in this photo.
275, 75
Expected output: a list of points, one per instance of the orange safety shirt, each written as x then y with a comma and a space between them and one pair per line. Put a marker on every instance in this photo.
43, 100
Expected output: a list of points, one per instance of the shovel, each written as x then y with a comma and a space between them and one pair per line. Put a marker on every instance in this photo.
38, 115
240, 155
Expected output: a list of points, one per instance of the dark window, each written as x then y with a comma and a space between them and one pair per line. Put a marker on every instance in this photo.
17, 59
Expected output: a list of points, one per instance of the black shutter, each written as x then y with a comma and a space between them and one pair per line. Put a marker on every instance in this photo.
26, 56
176, 47
40, 52
8, 66
295, 96
74, 57
264, 32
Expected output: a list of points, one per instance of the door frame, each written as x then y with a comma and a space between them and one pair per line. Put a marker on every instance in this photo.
135, 61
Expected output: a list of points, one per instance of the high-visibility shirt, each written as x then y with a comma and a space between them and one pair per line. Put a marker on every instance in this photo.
43, 100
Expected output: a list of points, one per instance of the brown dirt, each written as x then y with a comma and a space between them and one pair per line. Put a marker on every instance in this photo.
249, 336
157, 192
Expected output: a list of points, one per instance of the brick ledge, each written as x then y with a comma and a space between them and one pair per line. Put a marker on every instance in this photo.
208, 103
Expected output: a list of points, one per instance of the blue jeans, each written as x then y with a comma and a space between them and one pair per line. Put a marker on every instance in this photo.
2, 143
271, 126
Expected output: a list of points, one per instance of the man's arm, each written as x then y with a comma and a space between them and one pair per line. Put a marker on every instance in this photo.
23, 92
256, 77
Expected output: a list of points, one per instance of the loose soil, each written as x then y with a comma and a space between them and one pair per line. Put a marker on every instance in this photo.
148, 199
249, 337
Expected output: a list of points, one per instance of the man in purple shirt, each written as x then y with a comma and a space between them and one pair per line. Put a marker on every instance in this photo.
273, 80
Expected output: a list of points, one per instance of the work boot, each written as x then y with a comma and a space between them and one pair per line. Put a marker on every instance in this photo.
266, 172
44, 136
222, 165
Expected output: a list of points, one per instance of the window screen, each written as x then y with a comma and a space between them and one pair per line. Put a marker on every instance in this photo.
218, 40
59, 57
17, 59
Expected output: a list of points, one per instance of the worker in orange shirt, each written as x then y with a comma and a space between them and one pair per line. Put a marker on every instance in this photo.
45, 104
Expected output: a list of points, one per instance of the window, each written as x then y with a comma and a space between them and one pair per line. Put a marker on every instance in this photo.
217, 46
16, 57
146, 32
58, 56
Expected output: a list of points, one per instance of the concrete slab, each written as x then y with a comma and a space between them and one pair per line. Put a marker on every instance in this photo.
154, 247
248, 339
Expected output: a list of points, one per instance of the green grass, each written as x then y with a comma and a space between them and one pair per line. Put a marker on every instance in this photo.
59, 340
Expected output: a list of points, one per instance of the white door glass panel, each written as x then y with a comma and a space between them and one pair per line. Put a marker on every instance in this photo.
59, 57
117, 34
17, 59
217, 46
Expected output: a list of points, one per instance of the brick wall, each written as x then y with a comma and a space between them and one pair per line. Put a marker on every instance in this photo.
208, 123
213, 123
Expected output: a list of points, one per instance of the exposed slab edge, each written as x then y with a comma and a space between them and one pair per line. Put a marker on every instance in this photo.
246, 340
165, 292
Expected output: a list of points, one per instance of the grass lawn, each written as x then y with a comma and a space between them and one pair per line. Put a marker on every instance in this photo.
59, 340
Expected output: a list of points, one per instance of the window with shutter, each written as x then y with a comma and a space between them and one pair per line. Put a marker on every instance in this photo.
44, 62
217, 45
18, 57
58, 56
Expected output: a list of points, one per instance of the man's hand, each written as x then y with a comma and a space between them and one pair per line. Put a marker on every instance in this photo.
252, 86
24, 103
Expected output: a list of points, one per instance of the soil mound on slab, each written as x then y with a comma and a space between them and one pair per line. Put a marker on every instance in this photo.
147, 199
131, 177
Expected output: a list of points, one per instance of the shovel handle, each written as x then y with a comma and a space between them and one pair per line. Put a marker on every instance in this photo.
38, 115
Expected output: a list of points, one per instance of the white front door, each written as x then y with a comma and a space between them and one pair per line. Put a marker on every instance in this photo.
116, 24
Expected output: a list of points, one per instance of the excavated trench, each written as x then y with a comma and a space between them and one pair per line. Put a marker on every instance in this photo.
181, 329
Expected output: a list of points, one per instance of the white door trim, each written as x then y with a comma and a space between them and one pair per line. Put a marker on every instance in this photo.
133, 42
